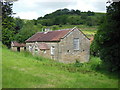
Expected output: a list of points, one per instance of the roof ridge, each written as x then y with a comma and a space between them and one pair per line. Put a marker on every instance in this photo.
55, 35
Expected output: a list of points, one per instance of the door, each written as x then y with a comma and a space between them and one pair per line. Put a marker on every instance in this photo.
18, 49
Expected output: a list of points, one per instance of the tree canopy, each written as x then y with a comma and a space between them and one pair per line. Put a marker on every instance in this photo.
70, 17
107, 38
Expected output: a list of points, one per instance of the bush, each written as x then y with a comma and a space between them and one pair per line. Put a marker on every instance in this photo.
3, 46
78, 64
55, 27
94, 49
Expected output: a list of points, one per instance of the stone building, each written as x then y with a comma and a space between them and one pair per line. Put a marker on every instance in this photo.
15, 46
65, 46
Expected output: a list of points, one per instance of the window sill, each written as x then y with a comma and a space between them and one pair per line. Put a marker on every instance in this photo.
76, 50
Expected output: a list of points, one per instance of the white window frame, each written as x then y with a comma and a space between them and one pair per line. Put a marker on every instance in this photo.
76, 43
52, 50
30, 48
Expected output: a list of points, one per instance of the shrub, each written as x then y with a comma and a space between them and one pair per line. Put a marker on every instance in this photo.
78, 64
94, 49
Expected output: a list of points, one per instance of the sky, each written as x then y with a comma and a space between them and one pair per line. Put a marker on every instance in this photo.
32, 9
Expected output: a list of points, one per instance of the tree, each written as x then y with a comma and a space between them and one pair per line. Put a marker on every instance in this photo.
89, 13
39, 18
78, 12
107, 37
60, 20
27, 31
35, 22
84, 16
7, 23
18, 25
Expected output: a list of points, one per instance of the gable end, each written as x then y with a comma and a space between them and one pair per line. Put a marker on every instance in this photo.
73, 30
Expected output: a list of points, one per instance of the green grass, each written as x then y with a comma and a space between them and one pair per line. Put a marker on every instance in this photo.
22, 70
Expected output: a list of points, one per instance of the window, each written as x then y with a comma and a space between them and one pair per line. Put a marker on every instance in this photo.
36, 50
44, 51
52, 50
25, 48
68, 51
30, 48
76, 43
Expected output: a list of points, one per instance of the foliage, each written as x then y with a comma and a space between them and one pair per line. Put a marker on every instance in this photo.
37, 72
106, 39
70, 17
94, 49
26, 31
18, 24
89, 13
78, 64
7, 23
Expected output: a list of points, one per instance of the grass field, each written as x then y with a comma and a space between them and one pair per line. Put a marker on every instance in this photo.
21, 70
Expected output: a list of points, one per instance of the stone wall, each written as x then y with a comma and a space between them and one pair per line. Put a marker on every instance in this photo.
14, 48
67, 54
22, 49
45, 53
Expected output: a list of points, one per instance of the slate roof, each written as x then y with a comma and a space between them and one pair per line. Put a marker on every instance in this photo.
16, 44
48, 36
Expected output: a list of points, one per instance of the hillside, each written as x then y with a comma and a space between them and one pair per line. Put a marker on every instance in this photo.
71, 17
21, 70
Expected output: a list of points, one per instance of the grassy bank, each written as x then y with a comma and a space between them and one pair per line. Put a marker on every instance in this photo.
21, 70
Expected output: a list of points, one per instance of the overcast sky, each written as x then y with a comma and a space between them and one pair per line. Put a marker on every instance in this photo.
32, 9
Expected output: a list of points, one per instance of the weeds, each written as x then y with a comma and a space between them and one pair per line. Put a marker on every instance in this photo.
78, 64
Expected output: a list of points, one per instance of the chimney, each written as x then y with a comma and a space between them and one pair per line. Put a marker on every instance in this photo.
46, 30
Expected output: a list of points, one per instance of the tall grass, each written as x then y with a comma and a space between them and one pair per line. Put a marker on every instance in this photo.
22, 70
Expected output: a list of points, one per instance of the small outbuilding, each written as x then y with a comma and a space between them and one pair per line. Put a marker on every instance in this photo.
15, 46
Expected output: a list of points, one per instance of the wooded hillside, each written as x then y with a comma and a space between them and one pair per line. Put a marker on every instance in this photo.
71, 17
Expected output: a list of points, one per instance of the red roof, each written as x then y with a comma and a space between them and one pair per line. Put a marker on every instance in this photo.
43, 46
16, 44
48, 36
